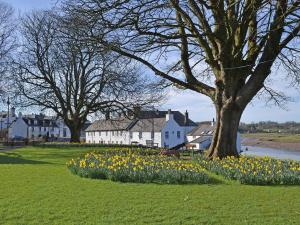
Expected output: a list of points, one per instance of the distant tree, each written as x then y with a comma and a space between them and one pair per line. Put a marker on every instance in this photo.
7, 42
56, 70
222, 49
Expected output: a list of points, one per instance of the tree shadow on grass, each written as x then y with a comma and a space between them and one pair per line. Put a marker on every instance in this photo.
14, 158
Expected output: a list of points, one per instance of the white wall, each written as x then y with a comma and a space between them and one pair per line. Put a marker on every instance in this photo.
146, 136
172, 127
108, 137
18, 129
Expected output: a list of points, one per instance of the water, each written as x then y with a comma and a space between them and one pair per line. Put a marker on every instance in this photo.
275, 153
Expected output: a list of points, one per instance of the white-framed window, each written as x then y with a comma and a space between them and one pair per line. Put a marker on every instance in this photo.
140, 135
130, 134
106, 133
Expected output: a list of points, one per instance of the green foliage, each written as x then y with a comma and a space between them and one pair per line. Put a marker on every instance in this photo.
255, 170
133, 167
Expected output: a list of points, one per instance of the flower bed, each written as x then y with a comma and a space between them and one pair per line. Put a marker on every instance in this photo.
132, 167
255, 170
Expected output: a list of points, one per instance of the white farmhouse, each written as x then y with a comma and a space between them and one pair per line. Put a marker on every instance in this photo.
201, 136
40, 126
33, 127
149, 128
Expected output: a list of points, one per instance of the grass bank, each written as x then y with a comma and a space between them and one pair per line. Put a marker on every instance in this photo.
276, 137
37, 188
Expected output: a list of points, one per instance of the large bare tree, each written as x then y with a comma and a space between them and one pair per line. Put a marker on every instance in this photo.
74, 78
222, 49
7, 42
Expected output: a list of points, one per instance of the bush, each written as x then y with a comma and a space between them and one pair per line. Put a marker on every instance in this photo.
132, 167
255, 170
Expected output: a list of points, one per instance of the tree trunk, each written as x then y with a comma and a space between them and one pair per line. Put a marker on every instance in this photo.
225, 133
75, 136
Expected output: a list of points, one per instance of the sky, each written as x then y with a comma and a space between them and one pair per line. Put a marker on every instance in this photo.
200, 108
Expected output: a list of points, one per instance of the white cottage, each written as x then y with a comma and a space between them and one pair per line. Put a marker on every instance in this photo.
149, 128
33, 127
201, 136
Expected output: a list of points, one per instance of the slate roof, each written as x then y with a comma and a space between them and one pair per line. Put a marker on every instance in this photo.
145, 121
202, 129
149, 125
178, 117
109, 125
201, 139
42, 121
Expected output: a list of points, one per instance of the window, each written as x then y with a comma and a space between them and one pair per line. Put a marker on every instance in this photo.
106, 133
152, 134
112, 142
116, 142
178, 134
130, 134
121, 142
167, 134
140, 135
113, 133
121, 133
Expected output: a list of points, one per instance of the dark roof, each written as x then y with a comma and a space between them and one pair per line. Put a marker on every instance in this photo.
107, 125
178, 117
201, 139
148, 125
143, 122
41, 121
202, 129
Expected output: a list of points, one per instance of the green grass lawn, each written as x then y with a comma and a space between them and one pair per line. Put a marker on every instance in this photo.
37, 188
294, 138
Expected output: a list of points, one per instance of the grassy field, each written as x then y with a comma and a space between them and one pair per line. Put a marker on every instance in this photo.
276, 137
37, 188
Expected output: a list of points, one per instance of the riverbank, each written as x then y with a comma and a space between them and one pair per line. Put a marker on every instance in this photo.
275, 141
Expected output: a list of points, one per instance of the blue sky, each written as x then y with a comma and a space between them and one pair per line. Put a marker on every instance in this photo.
199, 106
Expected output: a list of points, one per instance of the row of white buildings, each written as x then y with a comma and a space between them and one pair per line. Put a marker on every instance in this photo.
34, 127
149, 128
153, 128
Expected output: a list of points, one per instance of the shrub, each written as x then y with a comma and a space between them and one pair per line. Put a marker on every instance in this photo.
255, 170
132, 167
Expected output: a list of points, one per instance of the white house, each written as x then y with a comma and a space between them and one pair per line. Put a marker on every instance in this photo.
201, 136
6, 121
149, 128
33, 127
40, 126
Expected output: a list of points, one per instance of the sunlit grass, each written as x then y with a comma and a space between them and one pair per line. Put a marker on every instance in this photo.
37, 188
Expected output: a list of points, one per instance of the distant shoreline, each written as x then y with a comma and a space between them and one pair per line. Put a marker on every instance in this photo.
285, 146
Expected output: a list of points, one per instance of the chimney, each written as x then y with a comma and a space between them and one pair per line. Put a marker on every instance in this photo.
169, 115
107, 115
213, 122
136, 111
186, 118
